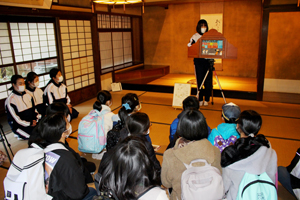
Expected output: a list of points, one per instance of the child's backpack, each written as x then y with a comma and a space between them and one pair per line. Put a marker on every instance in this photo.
203, 182
25, 179
91, 133
222, 144
257, 187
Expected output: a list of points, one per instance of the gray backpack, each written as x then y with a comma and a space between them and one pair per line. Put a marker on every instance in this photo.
204, 181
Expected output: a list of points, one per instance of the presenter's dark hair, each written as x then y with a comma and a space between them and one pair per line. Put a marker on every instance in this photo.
132, 101
138, 123
190, 102
30, 78
128, 169
53, 72
51, 127
200, 22
249, 122
192, 125
57, 107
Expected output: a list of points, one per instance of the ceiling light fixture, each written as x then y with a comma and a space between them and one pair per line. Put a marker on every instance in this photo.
118, 2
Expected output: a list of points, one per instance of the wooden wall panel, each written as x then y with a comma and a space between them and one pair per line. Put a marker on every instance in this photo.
283, 58
76, 3
84, 94
167, 32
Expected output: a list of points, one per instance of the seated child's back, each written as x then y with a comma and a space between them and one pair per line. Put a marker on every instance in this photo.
226, 134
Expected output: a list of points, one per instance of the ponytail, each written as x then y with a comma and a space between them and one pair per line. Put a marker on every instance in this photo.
97, 106
129, 103
249, 122
242, 148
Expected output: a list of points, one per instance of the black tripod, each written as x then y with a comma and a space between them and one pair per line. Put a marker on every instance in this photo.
211, 68
5, 144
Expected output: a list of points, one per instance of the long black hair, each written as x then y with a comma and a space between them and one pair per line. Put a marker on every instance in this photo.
138, 123
200, 22
250, 123
128, 170
242, 148
192, 125
129, 103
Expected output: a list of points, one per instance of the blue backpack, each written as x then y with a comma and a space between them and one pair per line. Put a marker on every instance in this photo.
257, 187
91, 134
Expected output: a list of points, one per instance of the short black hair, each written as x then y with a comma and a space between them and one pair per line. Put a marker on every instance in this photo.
190, 102
192, 125
200, 22
51, 127
30, 77
138, 123
14, 78
53, 72
57, 107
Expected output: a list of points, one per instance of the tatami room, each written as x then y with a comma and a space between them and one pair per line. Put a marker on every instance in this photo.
143, 46
280, 125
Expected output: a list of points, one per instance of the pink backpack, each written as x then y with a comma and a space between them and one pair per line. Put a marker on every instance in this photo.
204, 181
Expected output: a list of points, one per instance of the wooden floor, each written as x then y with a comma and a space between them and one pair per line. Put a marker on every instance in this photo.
281, 124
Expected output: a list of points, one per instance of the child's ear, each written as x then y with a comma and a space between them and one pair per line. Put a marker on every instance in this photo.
223, 119
108, 103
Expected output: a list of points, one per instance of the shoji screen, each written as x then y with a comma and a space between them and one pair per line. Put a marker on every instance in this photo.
26, 47
77, 53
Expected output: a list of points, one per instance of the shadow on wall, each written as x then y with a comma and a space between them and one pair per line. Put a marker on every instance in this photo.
153, 22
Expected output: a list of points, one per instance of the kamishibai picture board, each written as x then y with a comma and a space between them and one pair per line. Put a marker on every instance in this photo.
212, 45
214, 21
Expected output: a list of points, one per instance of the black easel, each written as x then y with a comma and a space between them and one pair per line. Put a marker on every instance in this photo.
5, 144
211, 68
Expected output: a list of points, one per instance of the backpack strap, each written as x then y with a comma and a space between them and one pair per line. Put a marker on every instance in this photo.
54, 146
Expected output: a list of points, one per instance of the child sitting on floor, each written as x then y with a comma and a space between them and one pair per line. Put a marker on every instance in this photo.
226, 134
190, 102
251, 154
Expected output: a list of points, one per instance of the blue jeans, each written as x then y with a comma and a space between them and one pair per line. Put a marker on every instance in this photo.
284, 179
91, 194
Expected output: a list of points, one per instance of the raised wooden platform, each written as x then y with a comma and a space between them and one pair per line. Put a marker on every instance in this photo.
141, 74
233, 87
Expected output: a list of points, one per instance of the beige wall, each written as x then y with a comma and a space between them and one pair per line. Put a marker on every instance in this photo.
167, 32
282, 72
283, 52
